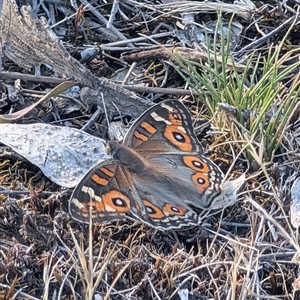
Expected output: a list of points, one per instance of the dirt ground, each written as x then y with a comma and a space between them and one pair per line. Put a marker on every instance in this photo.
126, 50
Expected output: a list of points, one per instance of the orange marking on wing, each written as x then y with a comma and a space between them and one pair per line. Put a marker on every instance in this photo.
116, 201
171, 209
148, 127
157, 212
140, 136
183, 141
201, 181
107, 172
196, 164
99, 180
175, 117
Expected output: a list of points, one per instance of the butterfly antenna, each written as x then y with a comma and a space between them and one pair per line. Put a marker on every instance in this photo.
116, 107
104, 107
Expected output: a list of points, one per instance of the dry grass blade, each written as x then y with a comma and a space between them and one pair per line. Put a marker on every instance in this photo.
86, 270
6, 118
282, 231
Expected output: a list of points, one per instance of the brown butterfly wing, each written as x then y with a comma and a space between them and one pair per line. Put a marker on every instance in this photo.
101, 196
164, 128
108, 192
165, 138
188, 178
163, 211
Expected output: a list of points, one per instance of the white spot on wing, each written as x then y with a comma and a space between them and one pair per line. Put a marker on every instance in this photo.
88, 190
77, 203
168, 107
109, 208
158, 118
181, 129
91, 192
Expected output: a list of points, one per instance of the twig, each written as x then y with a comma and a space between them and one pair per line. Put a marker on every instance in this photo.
153, 288
139, 39
92, 119
257, 43
156, 90
7, 287
133, 65
5, 191
113, 12
104, 21
28, 77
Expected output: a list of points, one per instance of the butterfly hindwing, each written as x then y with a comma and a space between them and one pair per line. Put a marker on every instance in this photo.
192, 178
101, 195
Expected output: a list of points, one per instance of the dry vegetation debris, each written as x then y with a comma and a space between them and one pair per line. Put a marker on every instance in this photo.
133, 52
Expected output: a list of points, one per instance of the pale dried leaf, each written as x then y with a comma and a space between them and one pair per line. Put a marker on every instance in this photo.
183, 294
63, 154
295, 207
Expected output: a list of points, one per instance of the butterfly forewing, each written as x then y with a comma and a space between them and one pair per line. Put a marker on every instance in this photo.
166, 127
164, 135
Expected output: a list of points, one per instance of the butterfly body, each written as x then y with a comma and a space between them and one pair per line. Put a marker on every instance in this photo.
156, 174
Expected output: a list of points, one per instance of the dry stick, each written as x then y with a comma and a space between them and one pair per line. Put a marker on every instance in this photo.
133, 65
92, 119
170, 53
28, 77
134, 40
115, 280
39, 94
173, 8
153, 288
104, 21
260, 41
281, 230
113, 12
155, 90
12, 192
138, 89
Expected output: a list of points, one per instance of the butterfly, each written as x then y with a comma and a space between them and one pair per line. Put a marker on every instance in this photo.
156, 175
